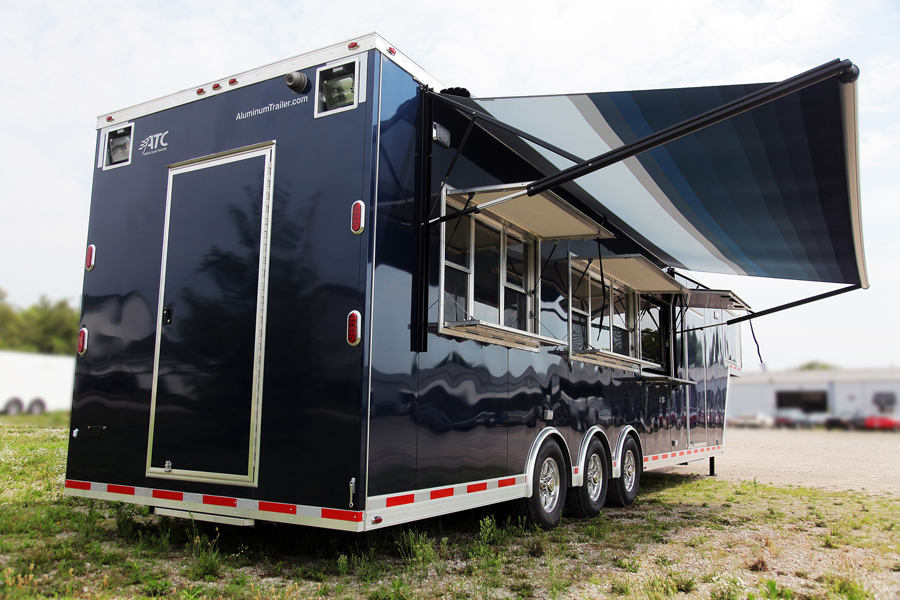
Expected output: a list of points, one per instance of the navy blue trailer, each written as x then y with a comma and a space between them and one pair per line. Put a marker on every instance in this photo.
323, 293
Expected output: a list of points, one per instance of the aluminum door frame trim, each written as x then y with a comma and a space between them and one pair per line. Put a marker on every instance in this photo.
266, 150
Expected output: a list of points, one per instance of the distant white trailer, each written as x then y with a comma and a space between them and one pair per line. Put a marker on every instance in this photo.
35, 382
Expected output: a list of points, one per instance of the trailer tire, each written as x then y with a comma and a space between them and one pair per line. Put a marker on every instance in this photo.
587, 500
37, 407
548, 488
13, 407
624, 489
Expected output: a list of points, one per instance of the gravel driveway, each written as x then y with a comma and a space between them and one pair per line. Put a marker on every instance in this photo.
866, 461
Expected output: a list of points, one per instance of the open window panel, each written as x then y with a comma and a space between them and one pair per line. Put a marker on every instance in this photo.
490, 280
719, 307
115, 146
621, 313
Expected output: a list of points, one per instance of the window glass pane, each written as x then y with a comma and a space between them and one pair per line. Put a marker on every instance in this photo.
516, 262
600, 334
457, 233
581, 291
579, 332
455, 291
621, 341
515, 310
554, 293
487, 274
651, 331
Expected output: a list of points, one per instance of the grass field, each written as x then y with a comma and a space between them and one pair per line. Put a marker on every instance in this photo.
684, 538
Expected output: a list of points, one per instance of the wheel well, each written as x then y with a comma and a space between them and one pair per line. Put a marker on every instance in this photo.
565, 451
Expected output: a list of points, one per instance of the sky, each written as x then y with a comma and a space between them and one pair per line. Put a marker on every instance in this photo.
66, 62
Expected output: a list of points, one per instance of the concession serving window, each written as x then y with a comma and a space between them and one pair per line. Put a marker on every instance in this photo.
617, 315
491, 273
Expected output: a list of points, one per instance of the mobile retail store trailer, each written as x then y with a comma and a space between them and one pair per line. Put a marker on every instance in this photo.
332, 292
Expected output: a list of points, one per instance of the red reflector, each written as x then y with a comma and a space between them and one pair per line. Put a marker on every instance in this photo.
476, 487
78, 485
201, 91
288, 509
217, 86
358, 217
400, 500
120, 489
167, 495
506, 482
341, 515
376, 520
89, 257
82, 341
352, 46
232, 81
109, 119
444, 493
392, 51
353, 328
220, 501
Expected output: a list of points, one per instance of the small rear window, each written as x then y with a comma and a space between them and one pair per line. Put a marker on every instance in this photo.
116, 149
337, 88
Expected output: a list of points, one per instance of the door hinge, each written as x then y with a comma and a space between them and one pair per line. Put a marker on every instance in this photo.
352, 490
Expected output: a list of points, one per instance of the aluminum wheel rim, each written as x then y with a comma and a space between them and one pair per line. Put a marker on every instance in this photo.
628, 470
594, 478
548, 486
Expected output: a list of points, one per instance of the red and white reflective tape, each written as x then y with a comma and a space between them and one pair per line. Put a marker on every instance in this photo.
257, 506
679, 456
441, 493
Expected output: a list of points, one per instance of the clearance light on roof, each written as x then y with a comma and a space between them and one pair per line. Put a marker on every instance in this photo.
201, 91
82, 341
232, 81
358, 217
352, 46
353, 320
217, 86
391, 51
109, 119
90, 257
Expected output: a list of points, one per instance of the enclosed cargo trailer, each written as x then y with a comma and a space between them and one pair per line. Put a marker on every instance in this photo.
323, 293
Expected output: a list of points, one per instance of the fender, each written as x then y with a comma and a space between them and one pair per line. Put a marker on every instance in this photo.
578, 471
536, 447
620, 443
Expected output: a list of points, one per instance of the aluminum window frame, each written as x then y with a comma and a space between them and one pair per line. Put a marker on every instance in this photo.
632, 361
359, 84
530, 279
104, 146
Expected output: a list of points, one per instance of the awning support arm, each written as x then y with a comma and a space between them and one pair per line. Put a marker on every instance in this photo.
453, 162
477, 209
478, 115
845, 70
776, 309
673, 273
782, 307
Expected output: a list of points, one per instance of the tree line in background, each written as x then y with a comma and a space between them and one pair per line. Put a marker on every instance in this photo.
46, 327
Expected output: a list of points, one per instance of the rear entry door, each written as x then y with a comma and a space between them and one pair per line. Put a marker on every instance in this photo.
210, 338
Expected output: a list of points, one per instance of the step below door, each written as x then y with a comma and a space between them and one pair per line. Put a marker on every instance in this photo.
207, 377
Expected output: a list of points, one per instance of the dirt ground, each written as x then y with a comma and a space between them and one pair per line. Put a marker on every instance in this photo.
866, 461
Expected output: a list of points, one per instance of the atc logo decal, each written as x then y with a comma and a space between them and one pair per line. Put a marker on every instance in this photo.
154, 143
